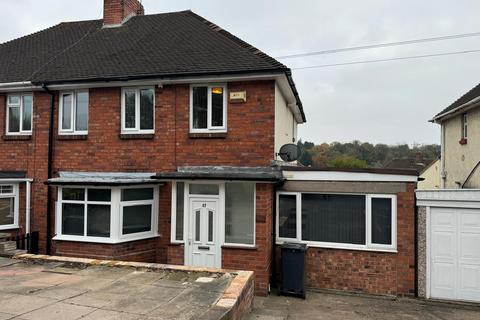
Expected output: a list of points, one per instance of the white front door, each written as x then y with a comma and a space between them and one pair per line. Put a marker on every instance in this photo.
203, 243
455, 254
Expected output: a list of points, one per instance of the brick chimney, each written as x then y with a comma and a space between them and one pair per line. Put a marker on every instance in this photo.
115, 12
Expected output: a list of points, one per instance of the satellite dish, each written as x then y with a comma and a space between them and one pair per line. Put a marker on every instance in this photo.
289, 152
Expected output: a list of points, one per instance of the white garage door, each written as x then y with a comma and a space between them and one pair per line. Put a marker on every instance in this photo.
455, 254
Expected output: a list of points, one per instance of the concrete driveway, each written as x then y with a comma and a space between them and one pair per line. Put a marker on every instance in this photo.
53, 290
344, 307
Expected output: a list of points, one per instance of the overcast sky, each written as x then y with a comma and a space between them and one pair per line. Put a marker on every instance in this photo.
388, 102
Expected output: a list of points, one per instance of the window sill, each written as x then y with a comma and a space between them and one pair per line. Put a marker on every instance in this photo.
72, 137
137, 136
207, 135
239, 247
100, 240
9, 227
17, 137
337, 247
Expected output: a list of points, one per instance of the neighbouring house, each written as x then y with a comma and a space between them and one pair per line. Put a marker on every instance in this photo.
430, 176
449, 218
156, 137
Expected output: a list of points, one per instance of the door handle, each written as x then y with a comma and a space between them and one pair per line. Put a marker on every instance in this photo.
204, 248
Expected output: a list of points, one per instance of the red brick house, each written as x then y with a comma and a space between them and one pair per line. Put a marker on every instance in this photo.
156, 138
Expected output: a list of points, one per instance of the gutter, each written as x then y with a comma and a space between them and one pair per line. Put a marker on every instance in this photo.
444, 116
50, 168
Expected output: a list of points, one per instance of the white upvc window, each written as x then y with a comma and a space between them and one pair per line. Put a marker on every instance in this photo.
208, 108
107, 215
138, 110
9, 203
19, 114
73, 112
341, 221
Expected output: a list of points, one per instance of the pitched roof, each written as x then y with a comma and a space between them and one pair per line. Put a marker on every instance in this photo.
467, 97
152, 46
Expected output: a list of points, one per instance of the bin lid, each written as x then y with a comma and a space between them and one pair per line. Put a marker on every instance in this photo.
294, 246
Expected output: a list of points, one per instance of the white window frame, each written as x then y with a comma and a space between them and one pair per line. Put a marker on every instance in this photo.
369, 246
222, 200
210, 128
73, 112
116, 216
137, 129
153, 202
15, 195
8, 106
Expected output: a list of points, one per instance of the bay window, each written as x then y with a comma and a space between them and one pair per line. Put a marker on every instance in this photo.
106, 215
208, 108
138, 110
19, 114
345, 221
9, 206
73, 112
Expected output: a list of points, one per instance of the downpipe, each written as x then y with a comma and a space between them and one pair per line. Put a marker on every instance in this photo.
50, 169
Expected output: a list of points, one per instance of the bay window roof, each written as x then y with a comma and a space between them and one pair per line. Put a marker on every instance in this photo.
102, 179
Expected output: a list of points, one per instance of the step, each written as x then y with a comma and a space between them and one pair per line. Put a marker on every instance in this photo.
8, 246
4, 235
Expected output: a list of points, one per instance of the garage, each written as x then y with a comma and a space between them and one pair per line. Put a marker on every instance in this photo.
449, 244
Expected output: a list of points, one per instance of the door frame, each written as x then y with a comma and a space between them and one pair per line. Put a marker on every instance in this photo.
187, 215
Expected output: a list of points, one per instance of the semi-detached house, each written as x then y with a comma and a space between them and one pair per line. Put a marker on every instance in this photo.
156, 138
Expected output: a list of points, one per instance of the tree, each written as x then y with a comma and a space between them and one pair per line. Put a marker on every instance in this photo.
347, 162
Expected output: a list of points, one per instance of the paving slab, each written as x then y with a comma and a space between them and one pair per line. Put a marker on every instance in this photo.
59, 293
111, 315
352, 307
6, 316
58, 311
20, 304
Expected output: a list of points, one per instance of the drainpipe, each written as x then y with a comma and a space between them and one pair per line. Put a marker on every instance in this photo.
50, 168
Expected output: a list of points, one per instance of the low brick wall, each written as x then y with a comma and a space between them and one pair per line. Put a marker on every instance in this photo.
141, 250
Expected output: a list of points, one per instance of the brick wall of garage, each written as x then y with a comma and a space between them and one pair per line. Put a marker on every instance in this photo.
370, 272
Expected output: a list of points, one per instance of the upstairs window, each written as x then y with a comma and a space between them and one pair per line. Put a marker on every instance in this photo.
208, 108
73, 118
138, 110
19, 114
